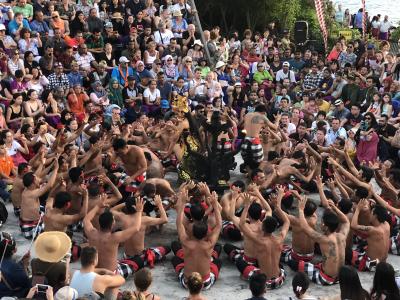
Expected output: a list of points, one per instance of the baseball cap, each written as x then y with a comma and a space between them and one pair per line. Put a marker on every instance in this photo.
123, 59
338, 102
164, 103
2, 27
108, 24
131, 78
286, 64
370, 46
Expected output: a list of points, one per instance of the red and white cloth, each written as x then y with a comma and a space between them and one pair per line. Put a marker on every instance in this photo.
319, 7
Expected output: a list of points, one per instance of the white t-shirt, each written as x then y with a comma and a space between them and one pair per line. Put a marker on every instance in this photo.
163, 38
152, 95
14, 148
385, 26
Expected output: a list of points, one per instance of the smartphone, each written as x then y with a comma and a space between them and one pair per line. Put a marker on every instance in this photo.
41, 289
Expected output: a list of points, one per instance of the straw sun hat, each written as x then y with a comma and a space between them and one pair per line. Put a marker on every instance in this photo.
52, 246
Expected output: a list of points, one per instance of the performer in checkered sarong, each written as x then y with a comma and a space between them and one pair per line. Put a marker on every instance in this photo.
267, 245
335, 227
251, 149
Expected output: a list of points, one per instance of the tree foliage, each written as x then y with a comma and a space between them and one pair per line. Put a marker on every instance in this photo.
254, 14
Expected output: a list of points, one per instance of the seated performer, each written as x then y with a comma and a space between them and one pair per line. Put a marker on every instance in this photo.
106, 241
31, 219
134, 246
302, 244
134, 163
197, 249
267, 246
378, 234
332, 242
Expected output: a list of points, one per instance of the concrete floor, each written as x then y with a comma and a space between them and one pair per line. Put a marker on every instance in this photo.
229, 284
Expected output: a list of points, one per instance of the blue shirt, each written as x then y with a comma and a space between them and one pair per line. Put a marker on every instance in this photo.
75, 78
40, 27
116, 74
16, 277
13, 26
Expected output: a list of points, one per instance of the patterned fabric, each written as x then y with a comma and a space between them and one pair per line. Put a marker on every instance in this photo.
132, 186
362, 262
207, 282
252, 150
289, 254
127, 267
58, 81
28, 228
316, 274
312, 81
151, 255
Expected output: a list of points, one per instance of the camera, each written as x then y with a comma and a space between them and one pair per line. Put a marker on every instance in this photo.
41, 290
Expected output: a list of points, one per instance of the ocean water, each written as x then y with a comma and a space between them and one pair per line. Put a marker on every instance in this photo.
374, 7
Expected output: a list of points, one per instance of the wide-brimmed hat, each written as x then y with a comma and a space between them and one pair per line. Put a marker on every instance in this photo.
117, 15
198, 43
52, 246
177, 13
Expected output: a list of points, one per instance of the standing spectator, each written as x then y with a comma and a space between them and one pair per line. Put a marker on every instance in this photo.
384, 29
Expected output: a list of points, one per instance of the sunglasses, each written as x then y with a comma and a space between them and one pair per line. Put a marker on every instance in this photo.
158, 64
54, 17
169, 59
367, 118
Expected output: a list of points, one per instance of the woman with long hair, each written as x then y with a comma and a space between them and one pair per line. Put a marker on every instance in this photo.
350, 285
384, 285
52, 113
195, 284
300, 284
15, 112
142, 280
38, 81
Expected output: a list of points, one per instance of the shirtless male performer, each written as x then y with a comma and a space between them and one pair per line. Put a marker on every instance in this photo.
302, 244
55, 218
106, 241
197, 248
30, 205
252, 150
377, 236
134, 246
267, 246
332, 242
134, 163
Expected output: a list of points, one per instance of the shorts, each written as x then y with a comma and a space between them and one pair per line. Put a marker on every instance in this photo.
289, 254
316, 274
230, 231
362, 262
76, 227
252, 150
133, 186
151, 255
208, 281
249, 270
236, 253
129, 266
28, 228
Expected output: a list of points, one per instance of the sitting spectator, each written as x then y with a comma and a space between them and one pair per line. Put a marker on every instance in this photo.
86, 281
15, 281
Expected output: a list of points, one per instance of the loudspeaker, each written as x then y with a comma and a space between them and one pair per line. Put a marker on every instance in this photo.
300, 32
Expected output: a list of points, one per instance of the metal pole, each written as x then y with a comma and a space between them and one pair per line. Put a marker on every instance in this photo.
200, 29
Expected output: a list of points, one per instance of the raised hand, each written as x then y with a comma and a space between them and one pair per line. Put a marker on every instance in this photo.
302, 203
157, 200
139, 204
